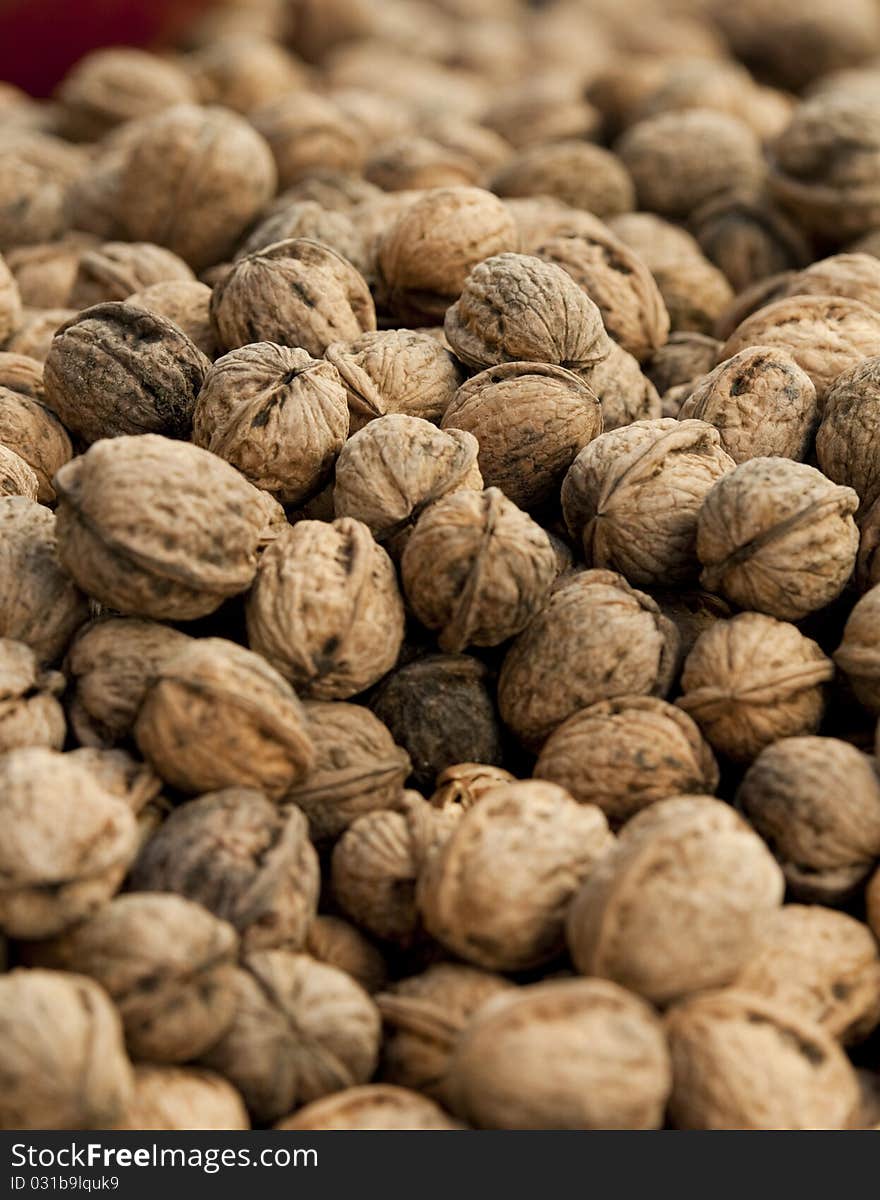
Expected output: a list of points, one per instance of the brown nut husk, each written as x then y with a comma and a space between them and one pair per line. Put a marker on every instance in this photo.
165, 962
596, 639
858, 655
625, 754
242, 859
816, 801
67, 846
16, 477
845, 439
633, 495
31, 429
374, 1106
674, 908
472, 904
530, 420
187, 303
723, 1043
325, 609
275, 413
751, 680
182, 1098
624, 393
62, 1053
777, 537
158, 528
338, 943
301, 1030
114, 270
357, 768
555, 1056
30, 714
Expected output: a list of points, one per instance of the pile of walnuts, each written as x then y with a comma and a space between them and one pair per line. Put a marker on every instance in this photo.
440, 571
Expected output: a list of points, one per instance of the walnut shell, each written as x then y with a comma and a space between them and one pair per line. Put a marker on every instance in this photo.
674, 908
325, 609
777, 537
301, 1031
761, 403
816, 801
375, 1106
516, 308
61, 1051
691, 612
741, 1062
10, 302
16, 477
411, 161
752, 680
30, 714
37, 172
748, 239
339, 944
625, 754
21, 374
858, 655
624, 393
465, 783
278, 415
555, 1055
244, 71
158, 528
306, 131
33, 338
182, 1098
474, 905
633, 495
307, 219
114, 270
846, 438
67, 844
111, 86
130, 780
854, 276
357, 768
530, 420
185, 302
575, 172
34, 432
685, 356
696, 294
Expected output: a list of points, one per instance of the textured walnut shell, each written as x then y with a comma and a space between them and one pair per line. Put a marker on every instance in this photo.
16, 477
307, 219
412, 161
742, 1062
37, 171
39, 605
376, 1106
441, 709
633, 496
858, 654
357, 768
625, 754
278, 415
575, 172
21, 374
10, 302
45, 272
752, 680
855, 276
425, 256
540, 110
130, 780
397, 466
230, 172
596, 639
476, 907
299, 292
471, 138
761, 403
542, 219
846, 438
33, 338
465, 783
477, 569
395, 371
67, 843
118, 84
244, 70
34, 432
674, 907
695, 293
338, 943
234, 853
684, 357
530, 420
30, 714
821, 964
516, 308
555, 1056
325, 609
748, 239
158, 528
624, 393
301, 1030
116, 269
816, 801
62, 1053
182, 1098
186, 303
306, 131
117, 370
777, 537
333, 190
166, 963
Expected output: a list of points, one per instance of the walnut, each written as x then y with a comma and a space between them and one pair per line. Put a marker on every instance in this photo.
301, 1031
39, 605
307, 219
330, 188
820, 964
858, 655
868, 561
752, 680
182, 1098
748, 239
686, 356
275, 413
530, 420
21, 374
37, 172
62, 1053
185, 302
114, 270
374, 1106
379, 117
742, 1062
244, 72
553, 1055
817, 802
465, 783
114, 85
625, 754
39, 325
472, 139
691, 612
339, 944
30, 714
674, 908
624, 393
577, 173
32, 430
67, 843
540, 110
426, 255
853, 276
542, 219
158, 528
10, 303
424, 1015
231, 176
307, 131
442, 711
845, 440
695, 293
596, 639
130, 780
397, 466
412, 161
16, 477
656, 241
299, 292
477, 569
777, 537
117, 370
633, 495
516, 308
